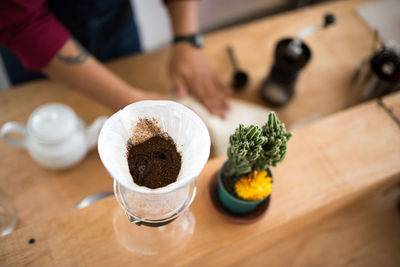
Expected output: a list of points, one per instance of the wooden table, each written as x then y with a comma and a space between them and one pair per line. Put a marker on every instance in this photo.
336, 53
329, 164
332, 163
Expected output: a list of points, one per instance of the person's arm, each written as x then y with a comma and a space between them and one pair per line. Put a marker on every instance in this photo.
188, 68
75, 67
42, 43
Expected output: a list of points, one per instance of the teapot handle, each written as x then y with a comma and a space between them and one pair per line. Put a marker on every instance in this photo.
93, 131
15, 127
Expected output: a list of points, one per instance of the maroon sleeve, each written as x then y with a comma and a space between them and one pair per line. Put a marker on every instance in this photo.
29, 30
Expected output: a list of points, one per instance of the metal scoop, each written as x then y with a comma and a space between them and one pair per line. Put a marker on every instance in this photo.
239, 78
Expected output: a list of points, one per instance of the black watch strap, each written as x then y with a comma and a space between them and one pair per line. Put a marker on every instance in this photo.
196, 40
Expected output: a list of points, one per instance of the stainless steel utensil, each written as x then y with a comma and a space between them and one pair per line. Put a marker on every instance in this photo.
87, 201
239, 77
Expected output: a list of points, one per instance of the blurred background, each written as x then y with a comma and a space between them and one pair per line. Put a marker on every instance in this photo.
154, 26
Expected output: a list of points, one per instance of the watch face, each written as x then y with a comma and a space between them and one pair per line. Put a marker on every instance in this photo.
198, 40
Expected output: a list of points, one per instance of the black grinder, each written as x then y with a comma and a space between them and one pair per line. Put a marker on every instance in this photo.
291, 55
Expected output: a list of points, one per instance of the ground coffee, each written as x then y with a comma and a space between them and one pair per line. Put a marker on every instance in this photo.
155, 162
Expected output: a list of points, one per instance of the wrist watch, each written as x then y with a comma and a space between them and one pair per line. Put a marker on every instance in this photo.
196, 40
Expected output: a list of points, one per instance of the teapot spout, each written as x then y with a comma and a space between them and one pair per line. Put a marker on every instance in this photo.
93, 131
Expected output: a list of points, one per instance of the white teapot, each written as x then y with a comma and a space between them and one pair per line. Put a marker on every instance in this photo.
55, 137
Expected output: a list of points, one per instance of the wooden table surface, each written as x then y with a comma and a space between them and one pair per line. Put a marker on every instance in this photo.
336, 53
365, 233
333, 158
330, 164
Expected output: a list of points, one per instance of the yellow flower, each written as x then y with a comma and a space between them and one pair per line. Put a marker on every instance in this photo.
255, 186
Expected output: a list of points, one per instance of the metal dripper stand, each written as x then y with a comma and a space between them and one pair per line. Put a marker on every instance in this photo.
291, 55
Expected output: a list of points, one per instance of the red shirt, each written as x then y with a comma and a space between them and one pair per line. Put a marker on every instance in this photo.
31, 31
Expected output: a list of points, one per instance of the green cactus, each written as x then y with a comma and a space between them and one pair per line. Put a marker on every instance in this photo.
253, 148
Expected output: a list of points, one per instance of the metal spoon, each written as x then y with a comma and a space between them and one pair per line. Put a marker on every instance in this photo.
87, 201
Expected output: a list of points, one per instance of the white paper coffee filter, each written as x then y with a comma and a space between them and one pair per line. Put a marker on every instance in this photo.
182, 125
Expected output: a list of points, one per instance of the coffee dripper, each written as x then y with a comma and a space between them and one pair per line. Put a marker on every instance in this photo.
154, 221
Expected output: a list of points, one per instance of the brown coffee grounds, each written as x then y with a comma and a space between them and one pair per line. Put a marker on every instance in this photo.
155, 162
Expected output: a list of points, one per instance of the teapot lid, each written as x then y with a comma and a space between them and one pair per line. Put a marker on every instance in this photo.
52, 122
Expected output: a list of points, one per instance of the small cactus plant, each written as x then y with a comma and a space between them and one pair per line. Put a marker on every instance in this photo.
254, 149
246, 180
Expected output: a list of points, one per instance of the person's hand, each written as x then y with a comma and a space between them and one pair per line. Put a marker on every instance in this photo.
189, 71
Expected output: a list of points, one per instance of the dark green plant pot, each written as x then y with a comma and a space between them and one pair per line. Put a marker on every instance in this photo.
234, 204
